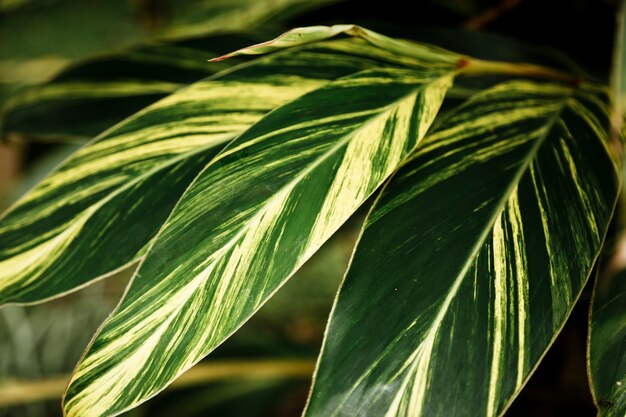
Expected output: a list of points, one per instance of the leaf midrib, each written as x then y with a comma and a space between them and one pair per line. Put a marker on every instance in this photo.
497, 212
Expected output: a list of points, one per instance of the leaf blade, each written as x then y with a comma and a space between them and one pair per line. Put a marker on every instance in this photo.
418, 52
224, 275
62, 220
607, 344
92, 95
460, 268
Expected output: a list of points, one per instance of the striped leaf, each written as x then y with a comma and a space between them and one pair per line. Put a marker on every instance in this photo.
97, 92
99, 209
254, 215
301, 36
607, 345
92, 95
472, 258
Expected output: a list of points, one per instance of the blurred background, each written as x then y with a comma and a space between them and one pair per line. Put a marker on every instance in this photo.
264, 370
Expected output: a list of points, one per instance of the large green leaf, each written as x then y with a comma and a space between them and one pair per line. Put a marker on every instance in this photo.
472, 258
607, 344
100, 208
98, 91
300, 36
76, 29
88, 97
255, 214
93, 94
606, 350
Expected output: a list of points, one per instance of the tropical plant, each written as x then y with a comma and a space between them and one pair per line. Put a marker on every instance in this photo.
493, 187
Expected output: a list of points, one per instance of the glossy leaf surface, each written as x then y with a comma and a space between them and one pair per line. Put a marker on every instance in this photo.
99, 91
301, 36
113, 195
607, 344
255, 214
606, 350
472, 258
92, 95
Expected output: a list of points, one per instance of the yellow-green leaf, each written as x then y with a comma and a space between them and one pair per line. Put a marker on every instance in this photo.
92, 95
254, 215
99, 209
411, 51
472, 258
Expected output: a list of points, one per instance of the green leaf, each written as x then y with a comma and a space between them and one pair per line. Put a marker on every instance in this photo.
472, 258
254, 215
607, 344
199, 17
100, 208
90, 96
411, 51
606, 350
99, 91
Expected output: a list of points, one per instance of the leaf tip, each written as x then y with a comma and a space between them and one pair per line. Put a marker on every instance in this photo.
220, 58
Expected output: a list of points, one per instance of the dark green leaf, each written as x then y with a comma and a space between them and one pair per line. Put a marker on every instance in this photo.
607, 344
100, 208
472, 258
283, 187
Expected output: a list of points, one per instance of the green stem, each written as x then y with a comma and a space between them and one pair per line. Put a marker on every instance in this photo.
479, 67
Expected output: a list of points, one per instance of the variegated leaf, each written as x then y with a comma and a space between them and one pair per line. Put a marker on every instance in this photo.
472, 258
254, 215
99, 209
301, 36
607, 344
92, 95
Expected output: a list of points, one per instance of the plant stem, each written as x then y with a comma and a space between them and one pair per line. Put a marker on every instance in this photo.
480, 67
15, 392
